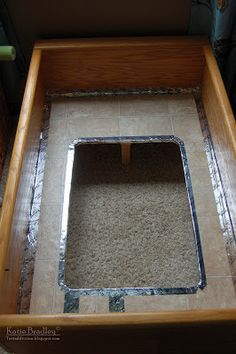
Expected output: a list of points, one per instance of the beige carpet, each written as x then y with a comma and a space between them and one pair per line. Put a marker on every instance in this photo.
130, 227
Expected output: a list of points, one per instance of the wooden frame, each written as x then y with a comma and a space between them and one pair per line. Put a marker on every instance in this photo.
5, 130
95, 64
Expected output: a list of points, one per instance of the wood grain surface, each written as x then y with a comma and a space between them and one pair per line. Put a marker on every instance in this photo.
122, 63
113, 63
12, 233
222, 126
207, 331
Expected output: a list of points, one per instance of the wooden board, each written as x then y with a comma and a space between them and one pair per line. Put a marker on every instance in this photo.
111, 63
222, 126
122, 63
17, 198
207, 331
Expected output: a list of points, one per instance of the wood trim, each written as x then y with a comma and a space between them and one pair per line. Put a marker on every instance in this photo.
222, 126
125, 153
211, 331
221, 97
17, 159
223, 131
9, 290
122, 62
65, 44
122, 319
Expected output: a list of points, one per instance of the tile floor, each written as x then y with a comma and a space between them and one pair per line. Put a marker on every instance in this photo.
117, 116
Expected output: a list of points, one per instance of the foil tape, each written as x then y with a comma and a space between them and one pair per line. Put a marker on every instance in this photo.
116, 295
26, 278
121, 92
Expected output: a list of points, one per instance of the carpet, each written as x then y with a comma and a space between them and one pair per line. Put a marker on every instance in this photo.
129, 226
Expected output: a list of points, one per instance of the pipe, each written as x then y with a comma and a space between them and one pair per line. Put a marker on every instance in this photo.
7, 53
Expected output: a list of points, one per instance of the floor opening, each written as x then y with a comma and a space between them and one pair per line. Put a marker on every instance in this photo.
129, 222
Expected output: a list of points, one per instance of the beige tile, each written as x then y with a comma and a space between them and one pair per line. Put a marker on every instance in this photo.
198, 159
144, 106
59, 298
155, 303
87, 304
50, 218
58, 109
213, 247
200, 177
92, 127
43, 287
94, 304
58, 140
193, 146
54, 181
58, 144
45, 271
219, 293
187, 127
147, 126
179, 104
56, 156
57, 134
53, 192
49, 231
48, 244
58, 151
102, 305
204, 201
93, 107
42, 300
56, 126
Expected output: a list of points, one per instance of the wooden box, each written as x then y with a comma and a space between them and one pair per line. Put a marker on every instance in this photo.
66, 65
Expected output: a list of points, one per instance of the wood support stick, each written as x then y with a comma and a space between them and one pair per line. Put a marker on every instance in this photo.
125, 153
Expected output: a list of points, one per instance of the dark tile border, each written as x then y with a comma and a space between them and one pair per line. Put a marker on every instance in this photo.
116, 303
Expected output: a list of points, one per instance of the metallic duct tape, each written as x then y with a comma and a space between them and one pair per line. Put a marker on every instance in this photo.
121, 92
119, 293
227, 227
26, 278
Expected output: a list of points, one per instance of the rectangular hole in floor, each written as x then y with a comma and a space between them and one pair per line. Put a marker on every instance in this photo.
129, 226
